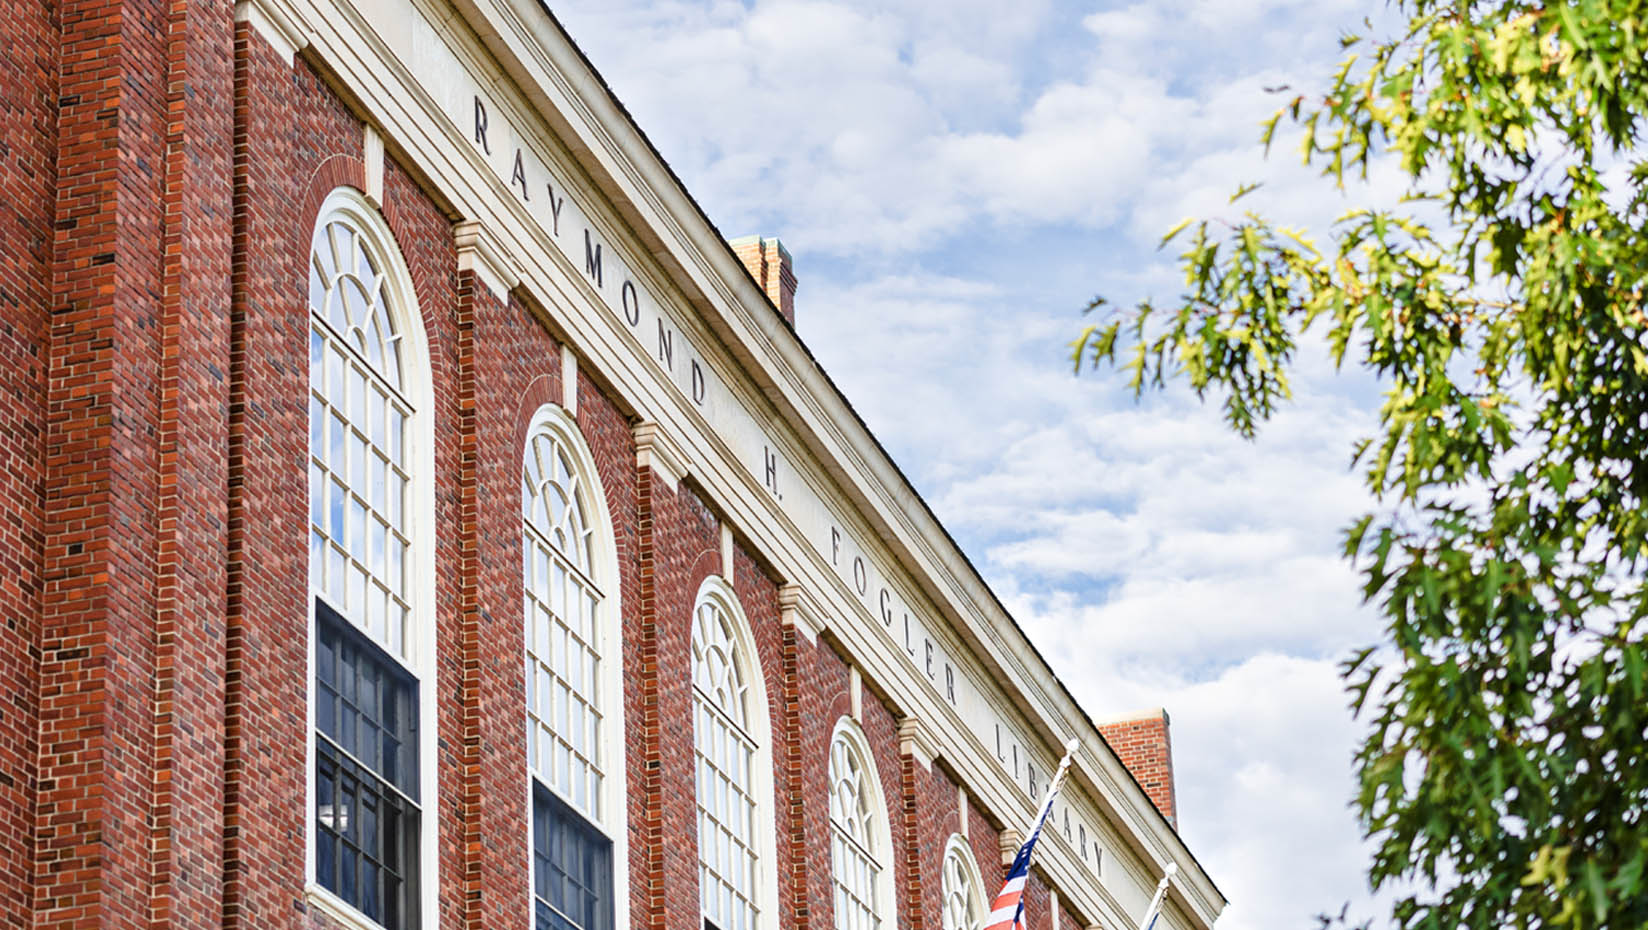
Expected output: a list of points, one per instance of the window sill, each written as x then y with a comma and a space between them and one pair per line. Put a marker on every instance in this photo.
338, 909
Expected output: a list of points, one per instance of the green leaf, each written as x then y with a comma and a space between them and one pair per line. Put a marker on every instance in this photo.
1499, 305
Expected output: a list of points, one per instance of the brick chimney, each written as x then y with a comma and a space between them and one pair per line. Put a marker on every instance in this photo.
769, 263
1142, 742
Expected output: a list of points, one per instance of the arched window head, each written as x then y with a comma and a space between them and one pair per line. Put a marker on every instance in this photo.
553, 497
347, 291
859, 836
733, 766
370, 572
718, 664
574, 700
961, 887
361, 416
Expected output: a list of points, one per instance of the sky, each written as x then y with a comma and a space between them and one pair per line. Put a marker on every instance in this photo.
955, 180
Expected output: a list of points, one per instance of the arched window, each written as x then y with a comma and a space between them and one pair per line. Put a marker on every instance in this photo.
961, 887
733, 771
859, 838
574, 701
369, 471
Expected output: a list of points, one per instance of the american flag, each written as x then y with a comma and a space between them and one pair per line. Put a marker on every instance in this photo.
1007, 912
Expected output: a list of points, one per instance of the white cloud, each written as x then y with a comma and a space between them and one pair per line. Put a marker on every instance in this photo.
956, 177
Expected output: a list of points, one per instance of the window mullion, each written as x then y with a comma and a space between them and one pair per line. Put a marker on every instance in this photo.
343, 342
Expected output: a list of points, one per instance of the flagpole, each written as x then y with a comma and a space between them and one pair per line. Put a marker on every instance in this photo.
1008, 905
1161, 892
1053, 786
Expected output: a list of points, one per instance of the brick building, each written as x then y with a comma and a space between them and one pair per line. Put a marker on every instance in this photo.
416, 514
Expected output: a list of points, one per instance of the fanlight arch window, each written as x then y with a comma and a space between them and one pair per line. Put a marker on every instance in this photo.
370, 464
859, 837
573, 695
961, 887
729, 709
359, 416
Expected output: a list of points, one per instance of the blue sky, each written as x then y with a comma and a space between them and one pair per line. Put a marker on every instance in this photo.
956, 178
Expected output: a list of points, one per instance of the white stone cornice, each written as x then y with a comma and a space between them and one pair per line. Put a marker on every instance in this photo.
656, 449
801, 610
915, 739
277, 26
481, 251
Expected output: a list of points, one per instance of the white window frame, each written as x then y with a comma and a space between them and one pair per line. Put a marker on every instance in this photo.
614, 801
957, 849
350, 206
849, 731
716, 589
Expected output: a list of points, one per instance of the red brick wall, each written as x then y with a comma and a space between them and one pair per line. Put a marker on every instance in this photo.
1145, 747
28, 182
153, 562
881, 730
931, 815
132, 507
823, 686
28, 189
985, 838
684, 540
294, 143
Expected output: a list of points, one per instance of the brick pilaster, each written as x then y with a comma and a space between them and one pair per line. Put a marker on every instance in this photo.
190, 511
467, 543
96, 723
913, 885
651, 853
792, 850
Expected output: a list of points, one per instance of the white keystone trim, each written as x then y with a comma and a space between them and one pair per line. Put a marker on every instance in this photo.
569, 379
372, 157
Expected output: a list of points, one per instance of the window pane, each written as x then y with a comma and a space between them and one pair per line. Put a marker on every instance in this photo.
855, 870
365, 773
572, 867
364, 698
726, 833
562, 643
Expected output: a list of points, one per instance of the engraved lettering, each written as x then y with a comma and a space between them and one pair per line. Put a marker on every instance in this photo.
626, 296
928, 644
518, 176
861, 578
480, 126
666, 346
909, 647
697, 383
770, 461
592, 258
950, 683
555, 204
886, 608
835, 546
